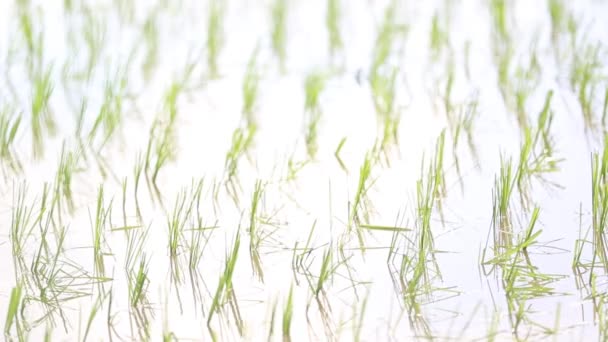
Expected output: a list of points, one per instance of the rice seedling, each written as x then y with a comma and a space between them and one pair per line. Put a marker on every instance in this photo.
448, 106
526, 80
250, 89
318, 289
273, 314
242, 142
503, 59
536, 158
337, 154
224, 292
137, 170
256, 236
26, 27
197, 243
43, 122
55, 279
287, 316
499, 10
359, 208
94, 35
32, 36
68, 167
605, 109
125, 10
501, 205
383, 92
295, 166
298, 259
332, 22
599, 307
599, 206
161, 143
9, 127
358, 319
214, 36
419, 264
12, 316
279, 31
438, 174
439, 39
111, 111
138, 282
521, 280
559, 23
585, 74
93, 313
382, 76
136, 267
151, 39
185, 216
465, 127
388, 33
99, 225
313, 85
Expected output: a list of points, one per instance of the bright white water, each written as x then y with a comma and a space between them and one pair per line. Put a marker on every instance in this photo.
464, 300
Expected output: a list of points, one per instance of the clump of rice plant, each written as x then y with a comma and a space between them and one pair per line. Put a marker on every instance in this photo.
522, 280
417, 271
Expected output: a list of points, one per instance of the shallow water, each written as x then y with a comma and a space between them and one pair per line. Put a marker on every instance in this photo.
464, 300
